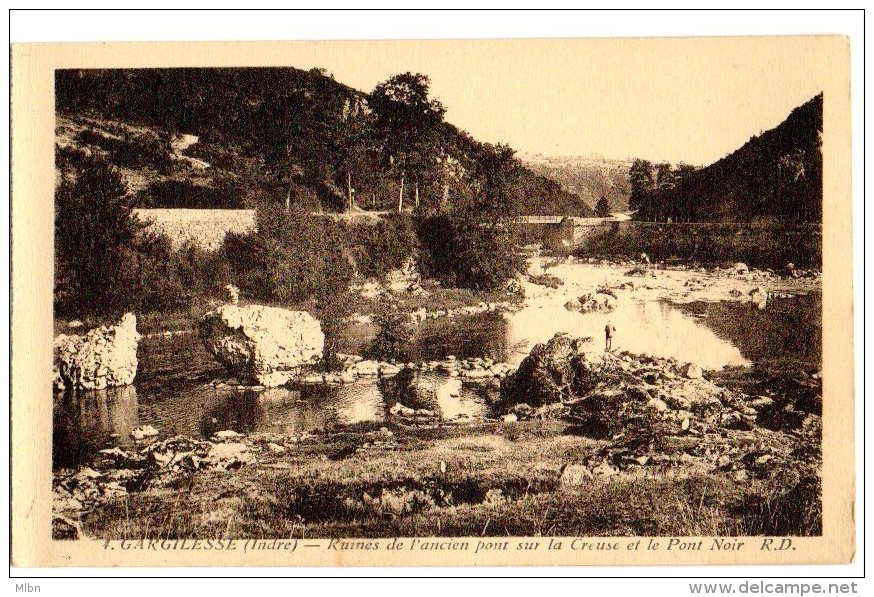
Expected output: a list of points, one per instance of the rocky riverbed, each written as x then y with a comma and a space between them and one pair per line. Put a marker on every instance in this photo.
633, 419
567, 434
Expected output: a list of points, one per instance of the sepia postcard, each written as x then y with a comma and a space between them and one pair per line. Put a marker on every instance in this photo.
432, 303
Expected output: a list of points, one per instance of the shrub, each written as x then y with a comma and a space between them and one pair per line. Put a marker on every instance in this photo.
140, 150
107, 263
760, 246
95, 234
333, 310
468, 252
164, 279
394, 336
548, 280
384, 246
292, 256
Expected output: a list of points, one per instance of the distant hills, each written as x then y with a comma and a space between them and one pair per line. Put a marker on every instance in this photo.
232, 137
588, 177
775, 177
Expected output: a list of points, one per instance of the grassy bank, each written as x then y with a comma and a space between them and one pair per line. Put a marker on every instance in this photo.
499, 479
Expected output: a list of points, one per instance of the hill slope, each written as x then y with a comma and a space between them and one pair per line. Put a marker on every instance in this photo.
774, 176
590, 178
223, 137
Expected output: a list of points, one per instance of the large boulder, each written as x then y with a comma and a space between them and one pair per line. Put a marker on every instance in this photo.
102, 358
263, 345
563, 369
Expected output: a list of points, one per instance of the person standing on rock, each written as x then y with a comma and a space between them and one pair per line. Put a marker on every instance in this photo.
609, 330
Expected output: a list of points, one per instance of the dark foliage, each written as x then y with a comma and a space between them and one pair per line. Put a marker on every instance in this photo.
174, 193
333, 309
384, 246
602, 209
763, 246
293, 256
95, 232
474, 245
302, 130
394, 335
105, 261
775, 176
167, 279
145, 150
467, 254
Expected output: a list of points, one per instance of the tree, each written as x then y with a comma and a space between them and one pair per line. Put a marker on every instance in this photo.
683, 171
602, 209
641, 180
407, 126
354, 138
291, 256
664, 176
394, 335
474, 245
95, 233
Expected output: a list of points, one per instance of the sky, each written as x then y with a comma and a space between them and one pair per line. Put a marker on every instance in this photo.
682, 99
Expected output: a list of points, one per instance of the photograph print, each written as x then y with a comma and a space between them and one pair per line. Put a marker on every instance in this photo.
441, 291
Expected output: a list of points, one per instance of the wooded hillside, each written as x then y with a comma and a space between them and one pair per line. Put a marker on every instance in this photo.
283, 134
775, 176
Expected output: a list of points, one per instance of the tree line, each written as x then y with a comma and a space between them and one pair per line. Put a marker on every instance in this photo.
775, 177
310, 139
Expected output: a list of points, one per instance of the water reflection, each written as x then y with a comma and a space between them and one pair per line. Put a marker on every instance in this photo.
444, 395
483, 335
87, 421
173, 393
318, 407
644, 327
239, 411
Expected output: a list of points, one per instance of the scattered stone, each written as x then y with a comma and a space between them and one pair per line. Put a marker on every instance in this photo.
233, 294
226, 435
388, 370
605, 470
276, 449
759, 297
693, 371
597, 302
657, 405
638, 272
64, 528
143, 432
574, 475
227, 456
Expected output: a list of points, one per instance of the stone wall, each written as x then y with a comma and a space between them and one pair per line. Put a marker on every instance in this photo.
204, 227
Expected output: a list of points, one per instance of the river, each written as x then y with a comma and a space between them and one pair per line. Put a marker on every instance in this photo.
174, 391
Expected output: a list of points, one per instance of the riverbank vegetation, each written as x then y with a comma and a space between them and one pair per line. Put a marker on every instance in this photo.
767, 245
108, 262
298, 147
